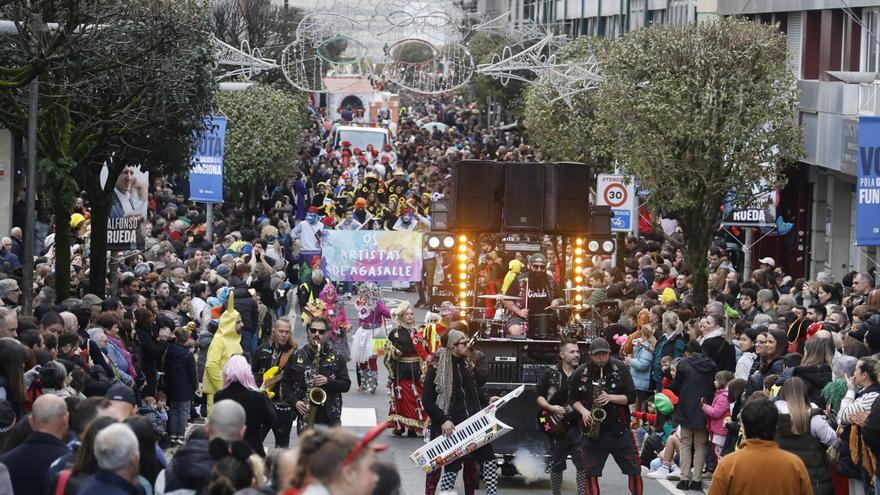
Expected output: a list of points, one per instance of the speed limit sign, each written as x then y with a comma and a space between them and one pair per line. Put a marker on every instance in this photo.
614, 191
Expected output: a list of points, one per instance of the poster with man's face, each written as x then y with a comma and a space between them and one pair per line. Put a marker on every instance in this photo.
128, 215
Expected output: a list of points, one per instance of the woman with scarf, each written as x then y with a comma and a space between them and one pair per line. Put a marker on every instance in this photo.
104, 369
339, 324
405, 374
451, 395
370, 335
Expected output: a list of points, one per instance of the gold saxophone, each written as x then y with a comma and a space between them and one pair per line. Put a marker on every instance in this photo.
316, 395
598, 413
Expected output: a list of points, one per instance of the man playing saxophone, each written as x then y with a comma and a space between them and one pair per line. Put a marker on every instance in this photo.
605, 384
316, 365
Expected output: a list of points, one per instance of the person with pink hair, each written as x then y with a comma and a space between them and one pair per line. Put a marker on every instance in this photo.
239, 386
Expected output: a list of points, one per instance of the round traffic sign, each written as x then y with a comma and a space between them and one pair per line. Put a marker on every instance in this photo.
615, 195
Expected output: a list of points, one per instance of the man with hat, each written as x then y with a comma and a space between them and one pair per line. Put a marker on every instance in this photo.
604, 383
123, 403
537, 293
767, 262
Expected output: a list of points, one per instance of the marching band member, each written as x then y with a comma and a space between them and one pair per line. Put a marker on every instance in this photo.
552, 391
428, 341
605, 384
451, 395
405, 374
271, 359
372, 313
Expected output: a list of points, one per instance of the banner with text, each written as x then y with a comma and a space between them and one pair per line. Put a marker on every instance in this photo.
868, 184
206, 174
372, 256
126, 226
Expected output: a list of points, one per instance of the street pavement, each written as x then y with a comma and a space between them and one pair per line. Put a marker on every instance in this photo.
361, 411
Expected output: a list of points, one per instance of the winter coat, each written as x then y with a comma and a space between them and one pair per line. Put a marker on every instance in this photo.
190, 469
247, 308
747, 471
815, 377
694, 380
640, 366
666, 346
717, 348
744, 365
181, 380
152, 351
260, 413
810, 450
717, 411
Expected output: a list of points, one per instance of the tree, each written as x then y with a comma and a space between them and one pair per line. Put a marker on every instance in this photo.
695, 113
136, 92
483, 46
560, 132
263, 136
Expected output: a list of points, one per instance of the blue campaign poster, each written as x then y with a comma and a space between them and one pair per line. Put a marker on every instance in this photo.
206, 174
868, 184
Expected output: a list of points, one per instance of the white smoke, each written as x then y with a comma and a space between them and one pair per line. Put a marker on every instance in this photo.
529, 466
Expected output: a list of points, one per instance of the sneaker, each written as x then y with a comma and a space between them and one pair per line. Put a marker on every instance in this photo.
660, 474
683, 485
697, 485
674, 474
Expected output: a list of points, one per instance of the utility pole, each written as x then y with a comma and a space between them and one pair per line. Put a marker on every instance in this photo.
27, 279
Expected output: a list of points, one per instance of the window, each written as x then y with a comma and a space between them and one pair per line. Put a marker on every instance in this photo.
870, 41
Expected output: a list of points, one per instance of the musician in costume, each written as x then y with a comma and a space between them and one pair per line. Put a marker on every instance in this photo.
536, 291
270, 361
306, 369
451, 395
603, 387
334, 312
405, 369
558, 419
370, 335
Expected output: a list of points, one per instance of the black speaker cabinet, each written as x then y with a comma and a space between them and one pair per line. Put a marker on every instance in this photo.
567, 198
524, 197
477, 196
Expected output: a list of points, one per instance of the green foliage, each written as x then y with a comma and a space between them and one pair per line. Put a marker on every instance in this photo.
413, 52
695, 112
482, 47
264, 133
557, 131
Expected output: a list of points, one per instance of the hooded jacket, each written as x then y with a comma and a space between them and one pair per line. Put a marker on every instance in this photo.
815, 377
181, 380
694, 380
225, 344
189, 470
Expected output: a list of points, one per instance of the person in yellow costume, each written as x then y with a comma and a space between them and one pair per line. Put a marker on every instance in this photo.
225, 344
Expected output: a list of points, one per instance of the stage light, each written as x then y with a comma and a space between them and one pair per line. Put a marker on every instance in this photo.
462, 285
608, 246
462, 266
593, 246
462, 257
463, 313
462, 248
578, 298
579, 242
462, 276
579, 251
578, 261
433, 242
448, 242
462, 295
579, 279
578, 307
462, 238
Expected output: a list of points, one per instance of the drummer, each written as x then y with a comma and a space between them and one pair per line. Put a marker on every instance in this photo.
536, 291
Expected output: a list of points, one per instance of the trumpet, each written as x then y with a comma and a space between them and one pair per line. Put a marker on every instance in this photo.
316, 395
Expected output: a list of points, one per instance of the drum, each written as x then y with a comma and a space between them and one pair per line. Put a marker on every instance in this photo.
543, 327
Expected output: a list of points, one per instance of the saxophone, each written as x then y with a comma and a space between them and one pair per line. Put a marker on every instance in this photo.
598, 413
316, 396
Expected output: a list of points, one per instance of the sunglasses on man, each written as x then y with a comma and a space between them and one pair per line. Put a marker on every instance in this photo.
321, 331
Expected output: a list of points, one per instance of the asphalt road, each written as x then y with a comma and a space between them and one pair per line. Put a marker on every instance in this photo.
362, 410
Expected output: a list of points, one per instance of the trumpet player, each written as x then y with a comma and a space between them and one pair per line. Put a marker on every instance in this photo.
601, 391
309, 370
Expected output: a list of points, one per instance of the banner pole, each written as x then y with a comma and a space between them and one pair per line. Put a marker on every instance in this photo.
747, 255
209, 223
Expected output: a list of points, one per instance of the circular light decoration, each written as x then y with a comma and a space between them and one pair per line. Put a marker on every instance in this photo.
608, 246
433, 242
448, 242
328, 45
593, 246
